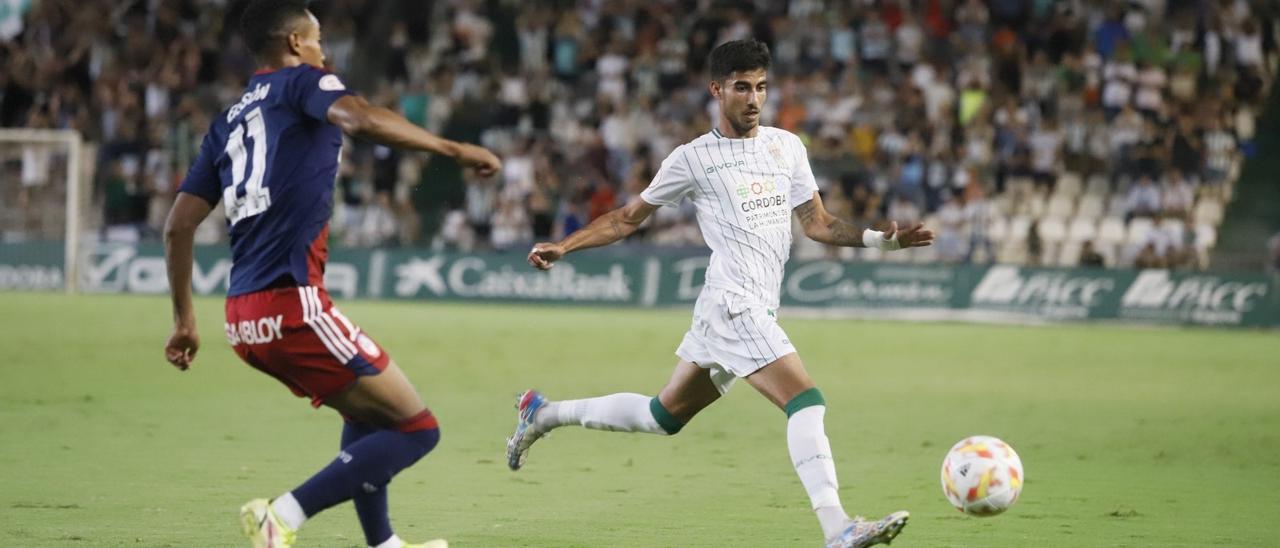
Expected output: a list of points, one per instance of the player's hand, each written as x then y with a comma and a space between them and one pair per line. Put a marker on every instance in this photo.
478, 158
914, 236
543, 255
182, 346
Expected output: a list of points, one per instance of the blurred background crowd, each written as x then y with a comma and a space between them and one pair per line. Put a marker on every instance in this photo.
1101, 133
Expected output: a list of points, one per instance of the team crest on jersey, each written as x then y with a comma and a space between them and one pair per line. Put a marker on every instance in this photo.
331, 83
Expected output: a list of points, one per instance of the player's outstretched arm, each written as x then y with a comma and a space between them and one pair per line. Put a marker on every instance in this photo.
606, 229
358, 118
179, 240
821, 226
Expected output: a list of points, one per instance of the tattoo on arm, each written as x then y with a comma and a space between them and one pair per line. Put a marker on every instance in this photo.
806, 211
604, 230
845, 234
836, 232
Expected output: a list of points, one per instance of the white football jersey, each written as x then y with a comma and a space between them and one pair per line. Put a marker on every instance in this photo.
744, 191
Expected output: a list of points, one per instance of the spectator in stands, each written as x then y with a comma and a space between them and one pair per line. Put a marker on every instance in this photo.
951, 221
1177, 195
1149, 257
1143, 199
1035, 245
511, 227
904, 210
1089, 256
896, 99
1046, 152
1220, 148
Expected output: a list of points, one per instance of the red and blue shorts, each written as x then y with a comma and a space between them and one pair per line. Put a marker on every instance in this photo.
296, 335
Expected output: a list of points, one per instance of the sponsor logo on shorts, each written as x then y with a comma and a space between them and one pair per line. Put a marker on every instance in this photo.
367, 345
259, 331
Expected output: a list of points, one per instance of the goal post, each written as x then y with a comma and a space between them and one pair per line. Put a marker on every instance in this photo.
42, 155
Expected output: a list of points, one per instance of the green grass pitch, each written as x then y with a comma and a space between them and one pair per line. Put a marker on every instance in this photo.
1129, 436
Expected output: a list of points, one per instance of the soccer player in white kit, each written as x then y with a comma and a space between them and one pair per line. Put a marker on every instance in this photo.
746, 181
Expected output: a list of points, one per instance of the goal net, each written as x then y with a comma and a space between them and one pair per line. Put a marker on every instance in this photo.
43, 192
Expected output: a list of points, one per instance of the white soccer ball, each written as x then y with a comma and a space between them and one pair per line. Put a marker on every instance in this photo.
982, 476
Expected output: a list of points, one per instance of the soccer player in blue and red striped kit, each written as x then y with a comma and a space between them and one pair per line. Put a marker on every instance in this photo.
271, 160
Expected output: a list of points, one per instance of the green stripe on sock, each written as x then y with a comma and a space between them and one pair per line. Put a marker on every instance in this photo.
808, 398
665, 419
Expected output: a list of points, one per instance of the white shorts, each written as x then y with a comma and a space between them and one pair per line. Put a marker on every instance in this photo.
732, 337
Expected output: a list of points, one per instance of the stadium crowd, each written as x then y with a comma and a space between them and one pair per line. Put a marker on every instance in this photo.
1040, 132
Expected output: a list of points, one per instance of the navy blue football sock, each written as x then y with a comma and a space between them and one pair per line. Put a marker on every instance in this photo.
364, 467
371, 508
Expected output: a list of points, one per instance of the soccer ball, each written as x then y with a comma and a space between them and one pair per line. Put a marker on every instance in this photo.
982, 476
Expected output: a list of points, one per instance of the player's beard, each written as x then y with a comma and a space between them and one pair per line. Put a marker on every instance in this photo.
744, 125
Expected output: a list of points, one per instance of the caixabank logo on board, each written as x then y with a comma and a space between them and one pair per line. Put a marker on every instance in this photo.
475, 277
1206, 299
1061, 294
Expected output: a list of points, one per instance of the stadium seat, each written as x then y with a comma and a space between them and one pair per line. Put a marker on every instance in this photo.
1117, 205
1206, 236
896, 257
1082, 229
1098, 185
1111, 231
1175, 230
998, 228
1208, 210
1001, 204
1034, 205
1018, 228
1052, 230
1091, 206
1069, 184
930, 221
1020, 185
1068, 254
1012, 253
1140, 230
1060, 206
924, 254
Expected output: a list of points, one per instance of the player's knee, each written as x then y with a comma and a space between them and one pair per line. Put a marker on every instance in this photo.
809, 398
427, 440
424, 430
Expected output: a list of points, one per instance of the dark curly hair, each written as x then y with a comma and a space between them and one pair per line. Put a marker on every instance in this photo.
264, 23
738, 55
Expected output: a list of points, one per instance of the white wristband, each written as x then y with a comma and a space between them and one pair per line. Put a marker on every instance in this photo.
875, 238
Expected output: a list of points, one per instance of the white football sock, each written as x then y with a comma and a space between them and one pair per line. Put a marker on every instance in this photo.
289, 511
811, 456
393, 542
616, 413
